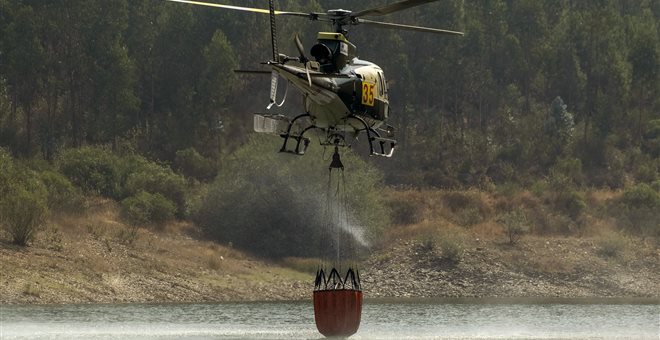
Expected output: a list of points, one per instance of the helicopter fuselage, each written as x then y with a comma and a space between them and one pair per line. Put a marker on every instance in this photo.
342, 96
337, 100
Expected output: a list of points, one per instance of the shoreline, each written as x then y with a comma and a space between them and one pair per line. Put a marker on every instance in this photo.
386, 300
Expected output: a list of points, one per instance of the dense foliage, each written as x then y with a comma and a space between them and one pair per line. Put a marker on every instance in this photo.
135, 100
281, 205
101, 171
150, 193
530, 84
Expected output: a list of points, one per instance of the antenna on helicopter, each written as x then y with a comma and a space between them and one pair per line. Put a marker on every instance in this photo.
273, 38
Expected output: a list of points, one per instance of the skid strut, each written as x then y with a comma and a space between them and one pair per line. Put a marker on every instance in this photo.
300, 138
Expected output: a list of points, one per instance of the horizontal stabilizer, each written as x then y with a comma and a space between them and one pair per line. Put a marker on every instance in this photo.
271, 124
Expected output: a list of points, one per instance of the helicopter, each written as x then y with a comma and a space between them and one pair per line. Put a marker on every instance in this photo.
343, 96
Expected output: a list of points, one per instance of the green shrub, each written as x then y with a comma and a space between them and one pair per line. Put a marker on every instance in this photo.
53, 239
643, 221
145, 208
191, 164
23, 213
428, 244
98, 170
655, 185
275, 205
94, 169
638, 210
450, 244
6, 172
641, 195
468, 208
571, 202
143, 175
502, 172
612, 244
566, 173
452, 247
23, 200
62, 194
647, 171
515, 224
404, 210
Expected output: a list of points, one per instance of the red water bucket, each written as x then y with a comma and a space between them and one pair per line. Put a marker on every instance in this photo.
337, 312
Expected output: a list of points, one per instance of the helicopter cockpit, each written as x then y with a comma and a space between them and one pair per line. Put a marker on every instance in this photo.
332, 51
324, 55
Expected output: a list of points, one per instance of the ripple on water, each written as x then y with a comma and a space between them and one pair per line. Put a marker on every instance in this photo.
401, 319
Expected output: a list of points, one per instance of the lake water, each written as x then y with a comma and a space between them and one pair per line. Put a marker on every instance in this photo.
381, 319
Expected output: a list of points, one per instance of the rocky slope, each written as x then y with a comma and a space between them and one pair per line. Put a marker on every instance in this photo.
537, 267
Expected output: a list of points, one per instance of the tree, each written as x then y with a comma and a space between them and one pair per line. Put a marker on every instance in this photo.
24, 57
283, 201
558, 126
216, 83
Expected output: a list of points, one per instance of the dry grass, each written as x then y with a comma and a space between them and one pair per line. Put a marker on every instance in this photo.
599, 197
466, 208
426, 211
488, 230
612, 244
596, 226
94, 262
444, 212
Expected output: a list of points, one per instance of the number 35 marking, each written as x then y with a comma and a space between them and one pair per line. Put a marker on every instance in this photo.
368, 91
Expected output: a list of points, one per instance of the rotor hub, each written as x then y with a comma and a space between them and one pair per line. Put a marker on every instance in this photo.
339, 13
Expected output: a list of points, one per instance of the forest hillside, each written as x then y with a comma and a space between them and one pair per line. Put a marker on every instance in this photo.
541, 123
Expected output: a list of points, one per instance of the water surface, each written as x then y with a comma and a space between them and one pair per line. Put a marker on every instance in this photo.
381, 319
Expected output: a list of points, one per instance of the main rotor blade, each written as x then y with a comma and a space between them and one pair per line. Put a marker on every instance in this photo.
407, 27
246, 9
391, 8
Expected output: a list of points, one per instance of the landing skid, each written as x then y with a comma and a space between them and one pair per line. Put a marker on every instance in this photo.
281, 125
298, 138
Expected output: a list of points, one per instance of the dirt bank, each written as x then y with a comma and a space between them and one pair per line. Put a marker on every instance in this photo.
536, 267
96, 259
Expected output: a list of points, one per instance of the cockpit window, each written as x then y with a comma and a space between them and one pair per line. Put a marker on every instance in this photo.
321, 53
382, 83
325, 51
333, 45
